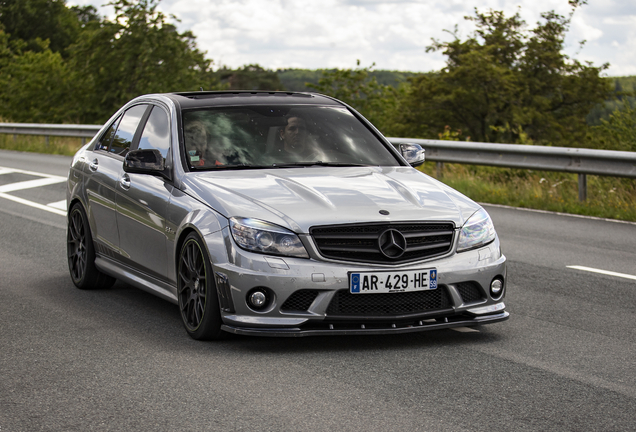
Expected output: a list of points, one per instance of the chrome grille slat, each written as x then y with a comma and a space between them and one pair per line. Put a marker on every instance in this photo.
429, 234
371, 236
426, 247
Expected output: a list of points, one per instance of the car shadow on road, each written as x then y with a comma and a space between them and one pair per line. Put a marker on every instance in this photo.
152, 320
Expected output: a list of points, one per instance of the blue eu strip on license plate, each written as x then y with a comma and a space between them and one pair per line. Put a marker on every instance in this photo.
389, 281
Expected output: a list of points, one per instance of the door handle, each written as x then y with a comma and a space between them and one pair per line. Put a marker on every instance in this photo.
93, 165
125, 182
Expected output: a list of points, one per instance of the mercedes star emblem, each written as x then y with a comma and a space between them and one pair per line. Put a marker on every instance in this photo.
392, 243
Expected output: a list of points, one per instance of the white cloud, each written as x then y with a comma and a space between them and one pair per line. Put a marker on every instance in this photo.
393, 34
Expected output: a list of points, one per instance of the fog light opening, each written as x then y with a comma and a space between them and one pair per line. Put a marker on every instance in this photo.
258, 299
496, 288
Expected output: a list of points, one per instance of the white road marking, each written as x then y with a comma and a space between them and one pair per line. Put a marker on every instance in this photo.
12, 187
32, 204
605, 272
465, 329
58, 205
7, 170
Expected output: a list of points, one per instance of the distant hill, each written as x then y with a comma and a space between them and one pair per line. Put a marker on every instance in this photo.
295, 79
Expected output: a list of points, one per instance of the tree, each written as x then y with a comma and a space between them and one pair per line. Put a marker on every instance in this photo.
363, 92
250, 77
34, 21
619, 131
507, 84
35, 87
139, 52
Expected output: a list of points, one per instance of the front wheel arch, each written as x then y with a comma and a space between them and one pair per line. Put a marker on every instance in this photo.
197, 295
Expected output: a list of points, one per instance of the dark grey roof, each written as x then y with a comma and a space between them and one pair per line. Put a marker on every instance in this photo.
244, 97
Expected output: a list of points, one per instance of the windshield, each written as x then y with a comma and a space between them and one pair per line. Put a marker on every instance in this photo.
279, 136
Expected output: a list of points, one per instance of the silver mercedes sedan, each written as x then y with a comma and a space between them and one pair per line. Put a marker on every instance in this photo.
277, 214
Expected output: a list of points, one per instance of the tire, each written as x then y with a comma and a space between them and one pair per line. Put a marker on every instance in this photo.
81, 253
196, 291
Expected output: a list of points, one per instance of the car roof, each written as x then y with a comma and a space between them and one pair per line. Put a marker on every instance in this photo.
246, 97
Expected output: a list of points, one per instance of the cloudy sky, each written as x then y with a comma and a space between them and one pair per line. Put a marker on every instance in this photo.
394, 34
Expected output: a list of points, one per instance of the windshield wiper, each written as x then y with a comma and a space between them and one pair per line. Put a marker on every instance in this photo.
316, 163
232, 167
277, 165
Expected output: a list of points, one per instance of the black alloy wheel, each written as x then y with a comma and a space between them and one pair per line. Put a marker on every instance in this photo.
81, 253
198, 301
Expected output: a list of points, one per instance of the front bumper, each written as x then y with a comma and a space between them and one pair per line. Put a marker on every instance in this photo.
242, 271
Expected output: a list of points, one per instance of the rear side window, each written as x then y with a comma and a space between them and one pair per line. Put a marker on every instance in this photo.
156, 133
108, 136
126, 131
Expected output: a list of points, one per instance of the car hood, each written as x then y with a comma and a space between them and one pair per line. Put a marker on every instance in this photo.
299, 198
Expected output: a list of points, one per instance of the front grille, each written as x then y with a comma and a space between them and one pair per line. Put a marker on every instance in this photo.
469, 291
361, 242
387, 304
299, 301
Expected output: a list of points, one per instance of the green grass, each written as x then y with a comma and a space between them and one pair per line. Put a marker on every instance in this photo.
37, 144
607, 197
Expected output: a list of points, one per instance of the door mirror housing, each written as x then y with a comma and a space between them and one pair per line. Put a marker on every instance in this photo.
144, 161
413, 153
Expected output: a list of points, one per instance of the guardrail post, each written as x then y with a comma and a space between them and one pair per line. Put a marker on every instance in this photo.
582, 187
439, 169
46, 140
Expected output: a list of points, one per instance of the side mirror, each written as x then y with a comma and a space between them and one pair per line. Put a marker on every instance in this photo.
144, 161
413, 153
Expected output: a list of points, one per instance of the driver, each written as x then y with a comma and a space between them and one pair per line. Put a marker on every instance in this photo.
294, 137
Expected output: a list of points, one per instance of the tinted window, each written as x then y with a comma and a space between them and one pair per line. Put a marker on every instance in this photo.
156, 133
108, 136
280, 135
126, 131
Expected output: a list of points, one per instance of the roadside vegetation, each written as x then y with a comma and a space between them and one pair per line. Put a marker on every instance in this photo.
67, 146
507, 82
607, 197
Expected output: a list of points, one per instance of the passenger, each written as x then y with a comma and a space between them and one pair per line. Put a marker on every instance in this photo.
197, 141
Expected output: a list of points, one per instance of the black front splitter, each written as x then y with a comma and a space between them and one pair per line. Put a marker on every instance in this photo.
397, 328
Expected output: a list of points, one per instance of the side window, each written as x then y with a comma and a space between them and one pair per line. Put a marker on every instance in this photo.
156, 134
126, 131
108, 136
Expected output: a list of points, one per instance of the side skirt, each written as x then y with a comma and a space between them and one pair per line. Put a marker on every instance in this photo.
137, 279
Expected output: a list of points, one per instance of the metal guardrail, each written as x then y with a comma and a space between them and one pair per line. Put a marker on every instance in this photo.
70, 130
575, 160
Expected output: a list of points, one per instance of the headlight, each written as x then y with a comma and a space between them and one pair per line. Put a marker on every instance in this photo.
477, 231
259, 236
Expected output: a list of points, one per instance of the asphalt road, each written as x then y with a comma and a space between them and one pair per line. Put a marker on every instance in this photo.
119, 359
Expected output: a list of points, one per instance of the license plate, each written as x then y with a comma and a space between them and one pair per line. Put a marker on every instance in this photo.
391, 281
